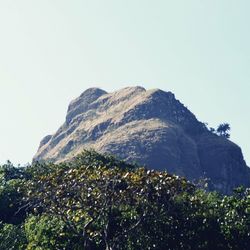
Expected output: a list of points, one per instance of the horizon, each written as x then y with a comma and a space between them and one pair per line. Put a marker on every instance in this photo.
52, 51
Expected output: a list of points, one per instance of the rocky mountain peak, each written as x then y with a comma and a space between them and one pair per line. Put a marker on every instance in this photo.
92, 93
80, 104
150, 127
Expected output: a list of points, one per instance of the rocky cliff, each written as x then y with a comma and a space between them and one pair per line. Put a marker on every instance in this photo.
149, 127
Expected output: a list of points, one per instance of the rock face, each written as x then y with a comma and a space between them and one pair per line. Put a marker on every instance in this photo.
148, 127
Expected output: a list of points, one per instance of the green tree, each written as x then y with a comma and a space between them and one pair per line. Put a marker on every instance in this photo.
223, 130
235, 221
93, 203
104, 206
12, 237
47, 232
11, 194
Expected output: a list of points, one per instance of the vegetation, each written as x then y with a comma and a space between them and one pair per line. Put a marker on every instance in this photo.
98, 202
223, 130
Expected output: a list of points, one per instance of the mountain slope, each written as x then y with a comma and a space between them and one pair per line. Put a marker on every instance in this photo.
150, 127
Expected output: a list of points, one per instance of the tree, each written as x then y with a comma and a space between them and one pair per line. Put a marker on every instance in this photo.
223, 130
104, 206
48, 233
92, 203
11, 194
235, 219
12, 237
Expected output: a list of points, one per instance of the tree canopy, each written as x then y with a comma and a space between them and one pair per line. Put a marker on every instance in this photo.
98, 202
223, 130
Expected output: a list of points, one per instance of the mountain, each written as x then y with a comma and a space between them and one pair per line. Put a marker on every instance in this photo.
150, 127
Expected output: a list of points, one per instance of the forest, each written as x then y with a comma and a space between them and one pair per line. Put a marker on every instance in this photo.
97, 202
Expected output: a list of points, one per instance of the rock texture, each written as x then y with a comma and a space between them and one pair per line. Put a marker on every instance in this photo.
149, 127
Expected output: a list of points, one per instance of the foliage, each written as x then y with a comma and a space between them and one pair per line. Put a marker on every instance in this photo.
91, 158
235, 223
47, 232
98, 202
104, 206
12, 237
11, 194
223, 130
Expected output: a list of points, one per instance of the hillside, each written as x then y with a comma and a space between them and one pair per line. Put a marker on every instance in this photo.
150, 127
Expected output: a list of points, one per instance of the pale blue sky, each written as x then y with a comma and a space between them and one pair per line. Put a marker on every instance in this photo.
52, 50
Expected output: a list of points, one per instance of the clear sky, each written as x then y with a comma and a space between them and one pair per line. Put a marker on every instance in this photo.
52, 50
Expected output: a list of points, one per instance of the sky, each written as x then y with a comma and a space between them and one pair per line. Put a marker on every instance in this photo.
52, 50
